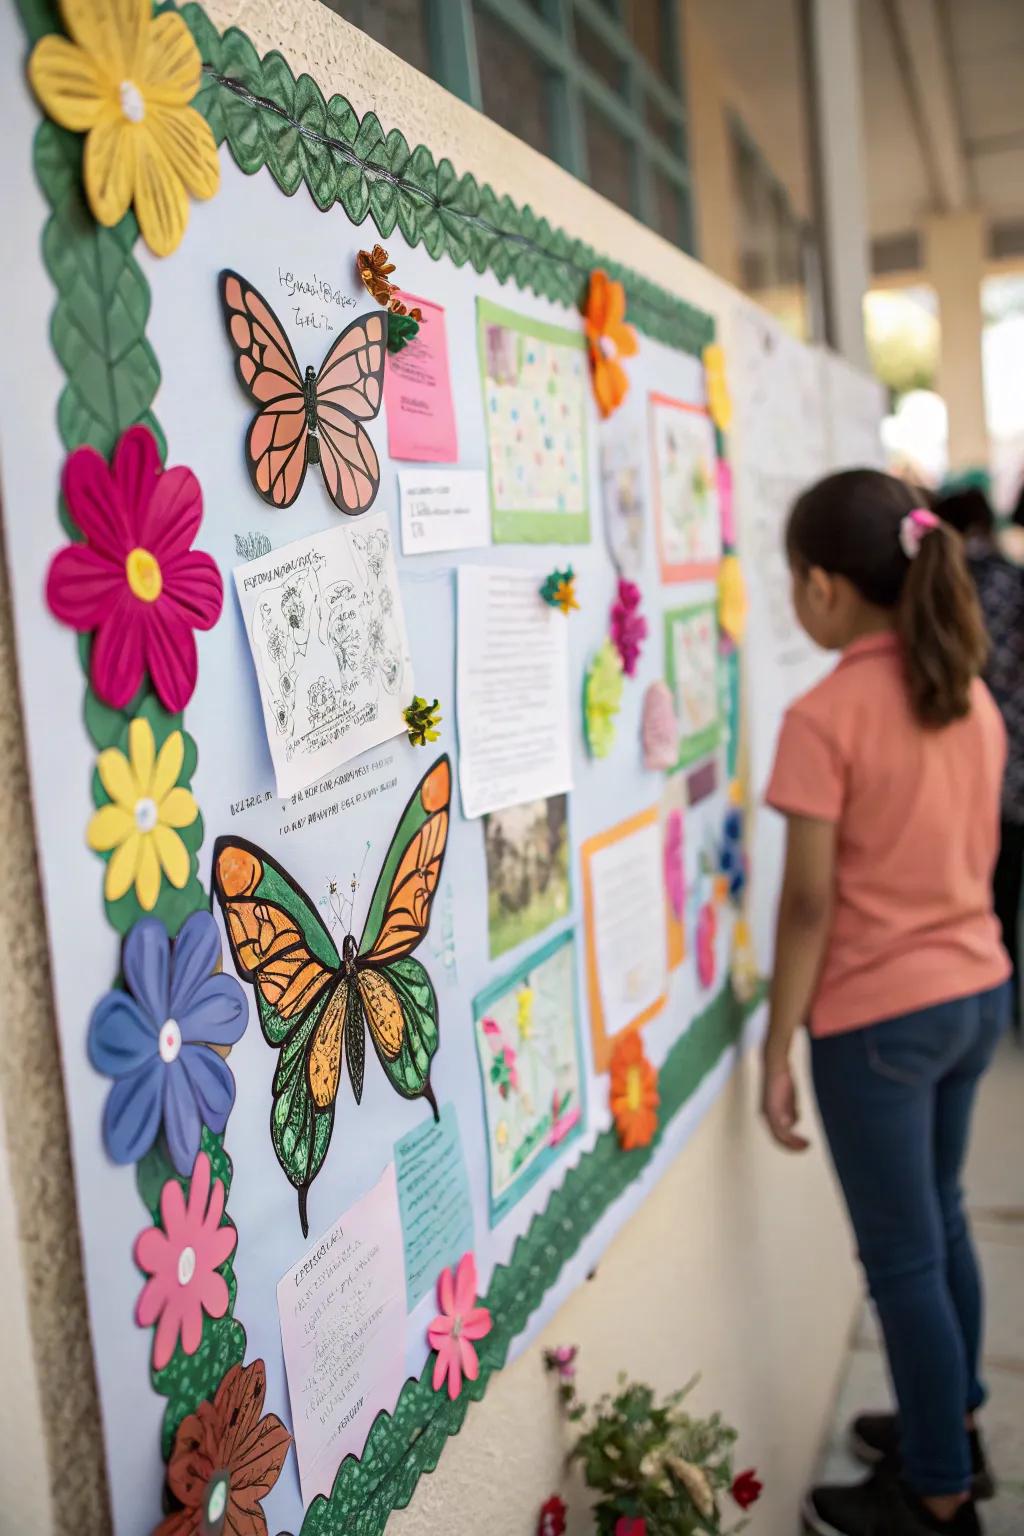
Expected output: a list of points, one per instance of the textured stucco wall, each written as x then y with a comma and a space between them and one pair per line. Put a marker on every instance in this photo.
737, 1265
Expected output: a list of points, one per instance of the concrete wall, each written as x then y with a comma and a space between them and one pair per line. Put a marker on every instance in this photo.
737, 1266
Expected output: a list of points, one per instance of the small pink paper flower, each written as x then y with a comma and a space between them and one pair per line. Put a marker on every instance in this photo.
135, 583
182, 1261
628, 625
675, 878
459, 1324
707, 925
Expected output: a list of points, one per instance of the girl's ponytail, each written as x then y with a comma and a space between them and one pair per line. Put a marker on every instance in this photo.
939, 622
871, 529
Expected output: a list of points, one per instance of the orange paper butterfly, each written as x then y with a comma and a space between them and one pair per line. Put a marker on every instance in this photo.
306, 418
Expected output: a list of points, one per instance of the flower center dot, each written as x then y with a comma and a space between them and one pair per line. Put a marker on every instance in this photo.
217, 1490
186, 1265
608, 348
170, 1044
145, 814
133, 108
634, 1090
145, 577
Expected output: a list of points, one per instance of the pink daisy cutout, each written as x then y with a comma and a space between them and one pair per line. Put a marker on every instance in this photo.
182, 1261
136, 584
459, 1324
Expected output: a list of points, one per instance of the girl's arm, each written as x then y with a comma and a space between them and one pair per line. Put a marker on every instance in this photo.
805, 914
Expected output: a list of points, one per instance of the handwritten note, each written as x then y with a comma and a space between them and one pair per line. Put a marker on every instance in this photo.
418, 392
327, 634
433, 1198
444, 511
342, 1311
512, 691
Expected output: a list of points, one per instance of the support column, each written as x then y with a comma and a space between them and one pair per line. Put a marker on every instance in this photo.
955, 261
832, 47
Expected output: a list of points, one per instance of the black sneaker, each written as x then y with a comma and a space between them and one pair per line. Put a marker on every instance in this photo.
881, 1507
875, 1438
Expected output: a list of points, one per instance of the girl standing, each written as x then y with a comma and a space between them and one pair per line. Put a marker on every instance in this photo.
889, 775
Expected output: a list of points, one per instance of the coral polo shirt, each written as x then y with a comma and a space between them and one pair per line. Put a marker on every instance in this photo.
917, 813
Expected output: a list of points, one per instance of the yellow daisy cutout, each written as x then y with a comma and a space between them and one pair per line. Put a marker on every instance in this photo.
138, 828
125, 79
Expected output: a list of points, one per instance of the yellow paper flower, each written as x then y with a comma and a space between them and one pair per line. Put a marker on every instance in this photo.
138, 828
524, 1012
732, 598
719, 399
125, 79
602, 699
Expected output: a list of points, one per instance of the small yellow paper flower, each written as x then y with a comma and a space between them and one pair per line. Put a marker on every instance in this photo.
732, 598
719, 399
125, 79
147, 805
524, 1012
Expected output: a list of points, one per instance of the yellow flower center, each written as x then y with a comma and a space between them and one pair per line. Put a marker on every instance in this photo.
144, 575
133, 108
634, 1089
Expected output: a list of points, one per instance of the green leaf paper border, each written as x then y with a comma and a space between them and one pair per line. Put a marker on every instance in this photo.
112, 375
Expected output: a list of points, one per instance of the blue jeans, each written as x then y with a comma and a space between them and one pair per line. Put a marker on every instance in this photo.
896, 1100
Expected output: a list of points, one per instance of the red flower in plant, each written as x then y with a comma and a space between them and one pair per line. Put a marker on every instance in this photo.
747, 1488
631, 1525
135, 583
552, 1517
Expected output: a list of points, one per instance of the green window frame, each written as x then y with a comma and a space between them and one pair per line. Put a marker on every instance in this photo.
548, 28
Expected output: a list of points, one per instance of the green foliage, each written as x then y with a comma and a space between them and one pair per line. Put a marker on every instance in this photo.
655, 1461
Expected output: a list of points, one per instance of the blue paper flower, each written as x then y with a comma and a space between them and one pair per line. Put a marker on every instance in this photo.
156, 1037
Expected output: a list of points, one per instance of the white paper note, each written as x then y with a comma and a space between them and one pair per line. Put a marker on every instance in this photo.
629, 926
512, 691
327, 634
342, 1311
444, 511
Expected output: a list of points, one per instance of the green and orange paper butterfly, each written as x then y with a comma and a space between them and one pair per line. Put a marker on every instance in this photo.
315, 1004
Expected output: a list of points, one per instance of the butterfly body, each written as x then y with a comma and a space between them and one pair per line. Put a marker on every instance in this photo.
310, 416
317, 1006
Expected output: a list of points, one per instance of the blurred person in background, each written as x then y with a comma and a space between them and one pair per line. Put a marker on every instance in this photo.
1000, 586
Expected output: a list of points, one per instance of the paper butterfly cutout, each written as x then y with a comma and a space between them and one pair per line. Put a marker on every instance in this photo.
313, 1002
307, 418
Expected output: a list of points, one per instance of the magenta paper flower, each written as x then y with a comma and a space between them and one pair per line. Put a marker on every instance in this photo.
182, 1261
707, 926
135, 583
675, 879
628, 626
460, 1323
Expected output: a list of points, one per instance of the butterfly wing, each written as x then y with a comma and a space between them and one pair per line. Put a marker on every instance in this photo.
395, 992
349, 390
282, 948
275, 447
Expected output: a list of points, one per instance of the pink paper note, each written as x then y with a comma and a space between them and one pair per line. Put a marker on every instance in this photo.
418, 392
725, 510
342, 1310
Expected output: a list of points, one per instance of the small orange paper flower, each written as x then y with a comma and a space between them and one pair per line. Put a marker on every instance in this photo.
634, 1093
374, 268
609, 338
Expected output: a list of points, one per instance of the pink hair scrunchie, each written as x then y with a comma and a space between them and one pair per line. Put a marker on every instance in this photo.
914, 527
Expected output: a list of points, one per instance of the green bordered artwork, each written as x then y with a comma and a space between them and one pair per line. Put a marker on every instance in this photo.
691, 670
270, 119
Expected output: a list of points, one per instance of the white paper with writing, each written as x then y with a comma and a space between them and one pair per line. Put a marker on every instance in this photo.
342, 1310
444, 511
326, 629
629, 926
512, 690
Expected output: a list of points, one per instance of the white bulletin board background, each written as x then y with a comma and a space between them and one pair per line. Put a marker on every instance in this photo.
252, 227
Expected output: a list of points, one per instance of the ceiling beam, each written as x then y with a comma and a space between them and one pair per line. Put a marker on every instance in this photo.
921, 44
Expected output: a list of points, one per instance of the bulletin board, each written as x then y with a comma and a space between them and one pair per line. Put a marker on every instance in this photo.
412, 955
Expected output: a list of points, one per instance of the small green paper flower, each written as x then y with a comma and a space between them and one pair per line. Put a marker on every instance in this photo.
422, 720
401, 330
559, 590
